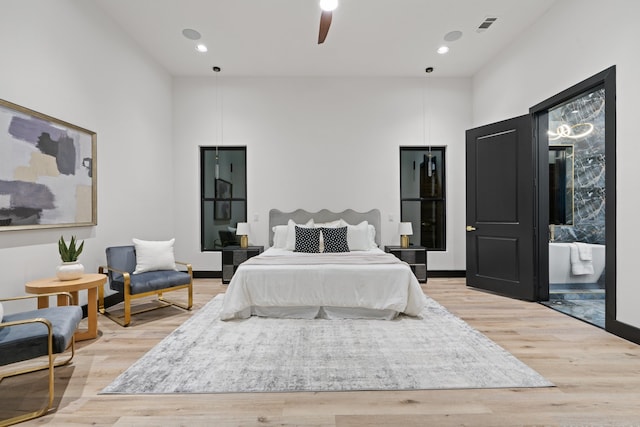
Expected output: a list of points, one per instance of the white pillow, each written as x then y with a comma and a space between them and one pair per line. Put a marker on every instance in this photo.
291, 233
154, 255
372, 237
331, 224
1, 312
358, 236
280, 236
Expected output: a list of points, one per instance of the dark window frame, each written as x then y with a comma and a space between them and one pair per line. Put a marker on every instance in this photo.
204, 200
442, 199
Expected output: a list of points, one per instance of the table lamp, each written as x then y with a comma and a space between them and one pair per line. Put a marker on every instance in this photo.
405, 229
243, 232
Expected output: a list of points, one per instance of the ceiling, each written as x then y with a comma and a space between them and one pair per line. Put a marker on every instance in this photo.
366, 38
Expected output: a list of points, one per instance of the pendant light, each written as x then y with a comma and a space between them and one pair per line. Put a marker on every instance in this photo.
431, 167
219, 108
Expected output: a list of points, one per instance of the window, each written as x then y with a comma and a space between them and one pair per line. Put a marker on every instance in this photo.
223, 195
422, 195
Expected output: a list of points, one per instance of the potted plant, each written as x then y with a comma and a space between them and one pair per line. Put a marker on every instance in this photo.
70, 268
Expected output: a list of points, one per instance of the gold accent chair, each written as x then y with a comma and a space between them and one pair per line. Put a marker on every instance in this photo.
121, 263
35, 334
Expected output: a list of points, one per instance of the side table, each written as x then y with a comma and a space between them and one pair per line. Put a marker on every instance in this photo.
90, 282
415, 256
233, 256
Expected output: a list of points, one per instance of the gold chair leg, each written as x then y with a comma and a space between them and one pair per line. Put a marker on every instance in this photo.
125, 319
101, 299
177, 304
127, 308
51, 365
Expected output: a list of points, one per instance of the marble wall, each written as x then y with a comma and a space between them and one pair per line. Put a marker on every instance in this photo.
569, 123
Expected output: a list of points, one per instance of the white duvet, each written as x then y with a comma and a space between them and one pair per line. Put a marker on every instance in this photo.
283, 283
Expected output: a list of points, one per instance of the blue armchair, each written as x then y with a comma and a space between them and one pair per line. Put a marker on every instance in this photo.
121, 263
36, 333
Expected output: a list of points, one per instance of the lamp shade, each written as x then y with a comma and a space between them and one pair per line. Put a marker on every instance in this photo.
405, 229
243, 229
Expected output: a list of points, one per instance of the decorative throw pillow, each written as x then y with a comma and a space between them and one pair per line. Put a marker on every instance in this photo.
154, 255
291, 233
335, 239
307, 240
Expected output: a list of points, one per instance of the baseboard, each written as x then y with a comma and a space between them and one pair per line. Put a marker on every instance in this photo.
628, 332
207, 274
109, 301
446, 273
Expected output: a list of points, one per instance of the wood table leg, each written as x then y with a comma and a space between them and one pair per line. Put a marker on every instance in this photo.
92, 317
63, 300
43, 302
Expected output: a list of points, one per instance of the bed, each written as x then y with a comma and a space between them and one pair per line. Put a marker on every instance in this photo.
364, 282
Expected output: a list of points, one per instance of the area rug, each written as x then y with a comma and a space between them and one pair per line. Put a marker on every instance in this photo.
436, 350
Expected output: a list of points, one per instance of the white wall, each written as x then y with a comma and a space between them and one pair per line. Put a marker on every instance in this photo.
574, 40
67, 60
318, 143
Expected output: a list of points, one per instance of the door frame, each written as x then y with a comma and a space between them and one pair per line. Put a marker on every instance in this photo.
607, 79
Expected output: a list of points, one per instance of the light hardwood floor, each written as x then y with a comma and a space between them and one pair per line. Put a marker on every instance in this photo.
597, 378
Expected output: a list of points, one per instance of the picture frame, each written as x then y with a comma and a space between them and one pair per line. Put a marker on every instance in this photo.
48, 171
222, 208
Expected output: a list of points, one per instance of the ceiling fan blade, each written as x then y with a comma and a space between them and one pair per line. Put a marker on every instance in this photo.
325, 23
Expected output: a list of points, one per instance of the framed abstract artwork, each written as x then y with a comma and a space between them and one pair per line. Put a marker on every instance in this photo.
47, 171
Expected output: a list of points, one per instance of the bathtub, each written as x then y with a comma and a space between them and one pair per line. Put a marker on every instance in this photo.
560, 264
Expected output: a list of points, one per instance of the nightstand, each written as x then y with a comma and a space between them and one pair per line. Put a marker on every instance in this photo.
233, 256
415, 256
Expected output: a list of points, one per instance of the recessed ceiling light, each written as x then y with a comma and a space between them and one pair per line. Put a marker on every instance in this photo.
452, 36
328, 5
191, 34
201, 48
442, 50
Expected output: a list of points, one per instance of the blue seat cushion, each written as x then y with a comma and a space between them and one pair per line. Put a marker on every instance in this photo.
24, 342
153, 281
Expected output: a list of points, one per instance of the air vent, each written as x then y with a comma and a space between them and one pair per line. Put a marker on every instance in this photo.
488, 21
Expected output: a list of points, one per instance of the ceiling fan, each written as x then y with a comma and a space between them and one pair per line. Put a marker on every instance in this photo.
327, 6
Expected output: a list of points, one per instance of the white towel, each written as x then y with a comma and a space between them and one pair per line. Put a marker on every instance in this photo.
585, 252
579, 267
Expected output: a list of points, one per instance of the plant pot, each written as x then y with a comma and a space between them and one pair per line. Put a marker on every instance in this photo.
69, 270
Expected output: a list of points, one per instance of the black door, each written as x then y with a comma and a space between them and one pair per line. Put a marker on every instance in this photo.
500, 208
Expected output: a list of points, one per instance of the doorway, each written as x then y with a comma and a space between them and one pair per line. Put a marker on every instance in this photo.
577, 199
574, 133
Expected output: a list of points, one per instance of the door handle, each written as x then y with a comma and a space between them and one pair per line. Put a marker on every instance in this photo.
470, 228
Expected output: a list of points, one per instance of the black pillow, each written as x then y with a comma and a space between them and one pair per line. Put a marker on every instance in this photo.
307, 240
335, 239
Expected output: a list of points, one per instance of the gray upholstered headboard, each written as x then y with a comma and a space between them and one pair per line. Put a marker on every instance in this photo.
300, 216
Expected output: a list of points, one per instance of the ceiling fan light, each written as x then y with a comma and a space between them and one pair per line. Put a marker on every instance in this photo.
328, 5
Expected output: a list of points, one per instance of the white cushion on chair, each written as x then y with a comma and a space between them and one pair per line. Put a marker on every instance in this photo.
154, 255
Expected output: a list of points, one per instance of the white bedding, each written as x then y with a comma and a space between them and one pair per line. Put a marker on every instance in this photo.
301, 286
